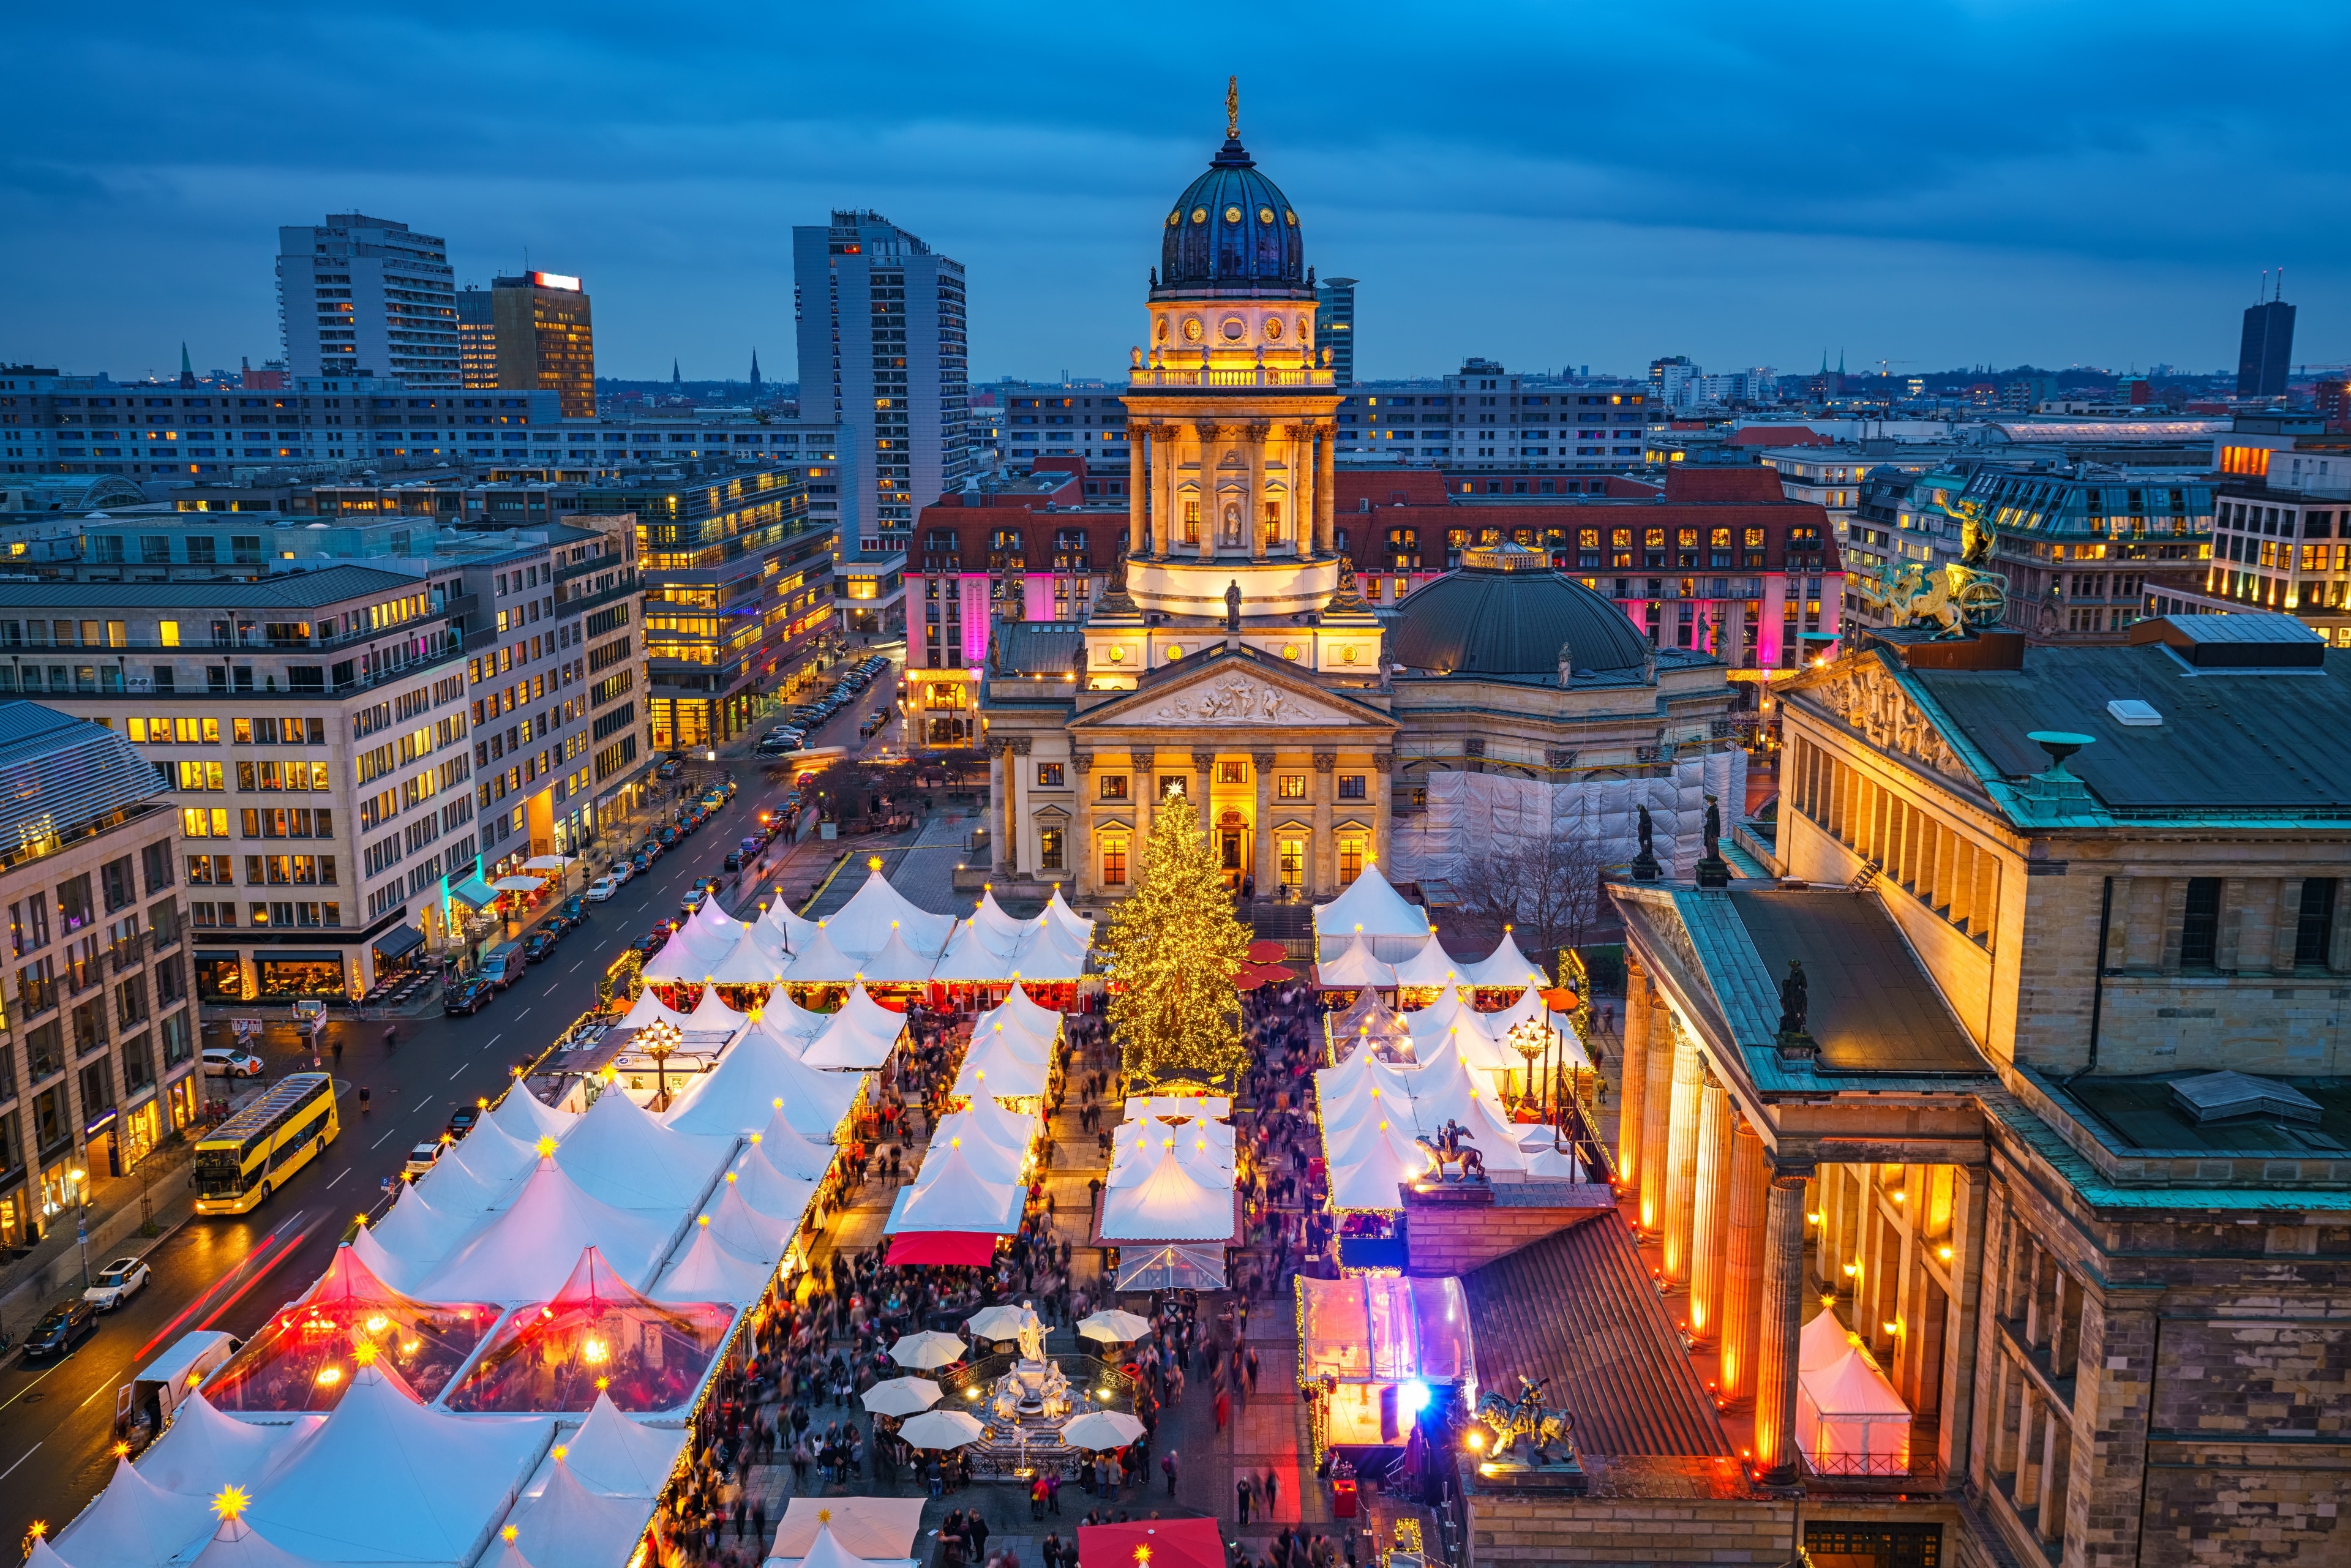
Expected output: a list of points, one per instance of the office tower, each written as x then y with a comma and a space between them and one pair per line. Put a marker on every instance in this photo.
1335, 309
546, 341
478, 338
367, 297
883, 351
2267, 347
1670, 379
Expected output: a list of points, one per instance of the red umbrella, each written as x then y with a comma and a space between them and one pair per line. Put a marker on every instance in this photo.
1559, 1000
1267, 952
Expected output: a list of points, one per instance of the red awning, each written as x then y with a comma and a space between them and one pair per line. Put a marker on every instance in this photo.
972, 1249
1162, 1543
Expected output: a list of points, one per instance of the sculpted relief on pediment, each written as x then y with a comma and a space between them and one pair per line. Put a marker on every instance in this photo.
1872, 703
1238, 700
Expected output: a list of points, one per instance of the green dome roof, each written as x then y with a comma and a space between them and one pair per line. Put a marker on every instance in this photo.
1496, 618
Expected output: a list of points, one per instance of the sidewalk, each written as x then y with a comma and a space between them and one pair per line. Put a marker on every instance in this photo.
53, 1271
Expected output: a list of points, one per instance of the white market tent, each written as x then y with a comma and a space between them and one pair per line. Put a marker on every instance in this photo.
1823, 1342
792, 928
738, 1095
1530, 1007
1849, 1418
1034, 1015
818, 962
203, 1450
525, 1252
567, 1525
995, 1068
1392, 929
1050, 954
1428, 966
623, 1154
649, 1010
957, 1195
861, 928
1354, 966
746, 1230
712, 1016
897, 964
1010, 1128
1078, 929
715, 925
994, 1162
1171, 1203
749, 963
524, 1116
781, 1016
134, 1524
971, 958
711, 1270
387, 1481
792, 1152
235, 1544
619, 1458
990, 925
769, 1191
1506, 966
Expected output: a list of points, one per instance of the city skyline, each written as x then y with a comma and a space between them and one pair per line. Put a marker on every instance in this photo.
1746, 212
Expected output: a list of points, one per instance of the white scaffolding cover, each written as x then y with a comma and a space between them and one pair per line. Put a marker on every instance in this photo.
1472, 814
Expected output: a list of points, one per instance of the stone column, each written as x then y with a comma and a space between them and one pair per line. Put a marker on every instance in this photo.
1382, 806
1136, 508
1297, 452
999, 816
1014, 785
1253, 513
1162, 489
1970, 1187
1208, 436
1082, 827
1681, 1157
1742, 1263
1778, 1324
1632, 1067
1267, 868
1203, 777
1711, 1212
1326, 490
1323, 878
1656, 1111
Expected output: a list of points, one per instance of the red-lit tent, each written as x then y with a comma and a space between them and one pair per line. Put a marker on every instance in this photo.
1152, 1543
597, 1335
301, 1359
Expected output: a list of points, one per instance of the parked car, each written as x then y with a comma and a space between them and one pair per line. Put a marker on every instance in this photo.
669, 769
575, 909
643, 862
467, 996
604, 887
420, 1158
734, 861
232, 1061
693, 900
559, 924
462, 1120
61, 1328
536, 946
649, 847
116, 1283
503, 965
668, 837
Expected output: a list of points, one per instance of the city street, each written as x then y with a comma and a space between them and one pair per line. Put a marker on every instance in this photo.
56, 1418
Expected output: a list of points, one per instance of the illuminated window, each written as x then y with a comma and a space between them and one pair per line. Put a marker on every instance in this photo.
1232, 773
1114, 787
1048, 776
168, 634
1351, 858
1113, 864
1049, 849
1291, 786
1294, 862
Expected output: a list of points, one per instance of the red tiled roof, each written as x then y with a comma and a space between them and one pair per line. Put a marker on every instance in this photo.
1779, 436
1754, 485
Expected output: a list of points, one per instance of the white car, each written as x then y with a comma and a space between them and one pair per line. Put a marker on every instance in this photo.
116, 1283
232, 1062
602, 888
421, 1157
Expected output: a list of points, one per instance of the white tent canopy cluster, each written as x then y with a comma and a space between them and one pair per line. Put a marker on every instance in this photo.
1348, 961
879, 937
975, 1174
1373, 1112
1169, 1181
382, 1480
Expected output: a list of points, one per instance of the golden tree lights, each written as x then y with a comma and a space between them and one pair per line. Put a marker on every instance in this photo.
1174, 947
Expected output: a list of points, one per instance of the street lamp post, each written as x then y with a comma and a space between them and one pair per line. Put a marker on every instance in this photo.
1525, 1036
661, 1039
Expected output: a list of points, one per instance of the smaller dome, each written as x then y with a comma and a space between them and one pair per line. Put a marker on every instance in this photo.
1232, 231
1507, 614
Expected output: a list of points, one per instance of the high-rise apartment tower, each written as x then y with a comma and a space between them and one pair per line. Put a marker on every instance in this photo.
2266, 349
367, 297
882, 347
1335, 312
477, 337
545, 339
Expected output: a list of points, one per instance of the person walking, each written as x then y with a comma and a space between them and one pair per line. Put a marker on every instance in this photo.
1242, 1490
1167, 1467
1272, 1491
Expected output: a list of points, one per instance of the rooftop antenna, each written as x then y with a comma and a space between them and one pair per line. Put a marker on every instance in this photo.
2261, 295
2281, 283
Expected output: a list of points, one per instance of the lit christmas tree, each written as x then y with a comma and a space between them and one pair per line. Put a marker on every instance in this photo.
1174, 947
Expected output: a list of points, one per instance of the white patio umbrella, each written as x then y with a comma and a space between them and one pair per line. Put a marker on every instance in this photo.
941, 1429
547, 863
927, 1350
519, 883
1100, 1429
997, 1322
1115, 1326
902, 1397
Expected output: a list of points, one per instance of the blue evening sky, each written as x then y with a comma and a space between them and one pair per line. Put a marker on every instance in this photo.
1935, 183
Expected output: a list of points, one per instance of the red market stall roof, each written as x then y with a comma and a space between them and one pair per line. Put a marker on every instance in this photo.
1153, 1544
972, 1249
302, 1359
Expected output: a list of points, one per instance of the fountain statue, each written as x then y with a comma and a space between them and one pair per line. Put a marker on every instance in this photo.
1035, 1389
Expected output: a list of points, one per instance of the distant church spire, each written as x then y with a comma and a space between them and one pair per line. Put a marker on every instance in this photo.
187, 371
673, 380
755, 374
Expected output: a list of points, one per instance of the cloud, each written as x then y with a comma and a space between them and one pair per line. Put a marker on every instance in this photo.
1941, 184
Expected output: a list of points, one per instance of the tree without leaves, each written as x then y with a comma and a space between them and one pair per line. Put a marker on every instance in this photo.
1545, 886
1174, 947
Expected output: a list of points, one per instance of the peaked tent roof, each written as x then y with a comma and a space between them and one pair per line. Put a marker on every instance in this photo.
621, 1153
897, 964
614, 1455
570, 1526
476, 1172
819, 962
1506, 966
530, 1248
861, 927
650, 1010
1429, 966
793, 928
750, 963
1038, 1018
389, 1480
681, 960
528, 1117
711, 1016
1823, 1343
134, 1524
1050, 954
412, 1237
203, 1449
997, 1069
711, 1270
1354, 966
738, 1095
788, 1150
747, 1231
870, 1527
1078, 927
1372, 906
782, 1016
856, 1041
1530, 1007
957, 1196
1170, 1204
971, 958
235, 1544
1000, 932
994, 1162
769, 1192
715, 922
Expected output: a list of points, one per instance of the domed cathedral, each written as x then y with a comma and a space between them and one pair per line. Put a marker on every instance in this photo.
1233, 660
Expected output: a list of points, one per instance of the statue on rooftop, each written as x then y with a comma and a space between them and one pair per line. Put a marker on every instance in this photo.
1795, 1000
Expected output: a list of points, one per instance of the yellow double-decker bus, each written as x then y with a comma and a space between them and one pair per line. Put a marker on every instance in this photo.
253, 1154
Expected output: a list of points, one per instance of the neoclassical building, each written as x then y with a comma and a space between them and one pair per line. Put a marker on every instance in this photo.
1233, 658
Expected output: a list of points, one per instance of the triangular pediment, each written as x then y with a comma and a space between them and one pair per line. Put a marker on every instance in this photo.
1234, 689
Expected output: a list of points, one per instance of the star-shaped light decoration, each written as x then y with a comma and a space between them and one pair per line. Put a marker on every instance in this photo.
231, 1500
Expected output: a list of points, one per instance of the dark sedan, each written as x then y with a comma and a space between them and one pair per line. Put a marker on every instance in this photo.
467, 997
669, 837
462, 1120
61, 1328
575, 909
536, 946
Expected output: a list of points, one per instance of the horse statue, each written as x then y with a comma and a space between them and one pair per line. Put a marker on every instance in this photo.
1454, 1147
1525, 1421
